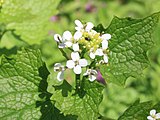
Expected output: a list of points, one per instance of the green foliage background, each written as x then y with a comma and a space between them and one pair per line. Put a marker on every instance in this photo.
33, 24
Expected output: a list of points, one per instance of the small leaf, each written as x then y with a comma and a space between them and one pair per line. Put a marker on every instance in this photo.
131, 39
83, 104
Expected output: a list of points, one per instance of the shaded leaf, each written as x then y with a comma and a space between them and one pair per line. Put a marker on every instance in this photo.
84, 104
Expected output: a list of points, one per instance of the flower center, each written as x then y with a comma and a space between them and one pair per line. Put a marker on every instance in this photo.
87, 38
76, 63
90, 40
153, 116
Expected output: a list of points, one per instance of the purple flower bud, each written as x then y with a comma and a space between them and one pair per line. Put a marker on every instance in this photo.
90, 8
100, 78
54, 18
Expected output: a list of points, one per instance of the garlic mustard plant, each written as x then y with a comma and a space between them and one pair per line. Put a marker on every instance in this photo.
88, 49
153, 115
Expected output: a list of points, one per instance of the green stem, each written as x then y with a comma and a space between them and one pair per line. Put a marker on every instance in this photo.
63, 53
78, 82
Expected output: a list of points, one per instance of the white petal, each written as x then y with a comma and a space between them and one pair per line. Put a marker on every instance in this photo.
89, 26
61, 45
94, 72
93, 32
67, 35
77, 69
76, 47
153, 112
83, 62
70, 64
68, 43
77, 35
92, 55
57, 66
106, 36
92, 78
157, 115
75, 56
105, 57
78, 23
78, 28
60, 76
150, 118
104, 44
99, 52
86, 73
57, 38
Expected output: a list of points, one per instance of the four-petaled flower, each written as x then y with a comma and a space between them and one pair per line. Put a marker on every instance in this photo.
60, 69
92, 74
71, 41
153, 115
76, 63
67, 40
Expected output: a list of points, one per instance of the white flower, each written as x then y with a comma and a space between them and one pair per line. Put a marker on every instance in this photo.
81, 27
60, 41
60, 68
153, 115
67, 36
92, 74
101, 51
67, 39
70, 42
105, 38
76, 63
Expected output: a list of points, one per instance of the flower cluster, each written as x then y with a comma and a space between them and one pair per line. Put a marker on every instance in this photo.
88, 49
153, 115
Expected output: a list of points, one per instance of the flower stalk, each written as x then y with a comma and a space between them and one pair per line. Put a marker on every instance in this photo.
78, 82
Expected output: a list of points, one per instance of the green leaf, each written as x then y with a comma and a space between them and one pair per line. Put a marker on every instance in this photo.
84, 104
131, 39
29, 18
19, 83
2, 30
157, 107
139, 111
23, 89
